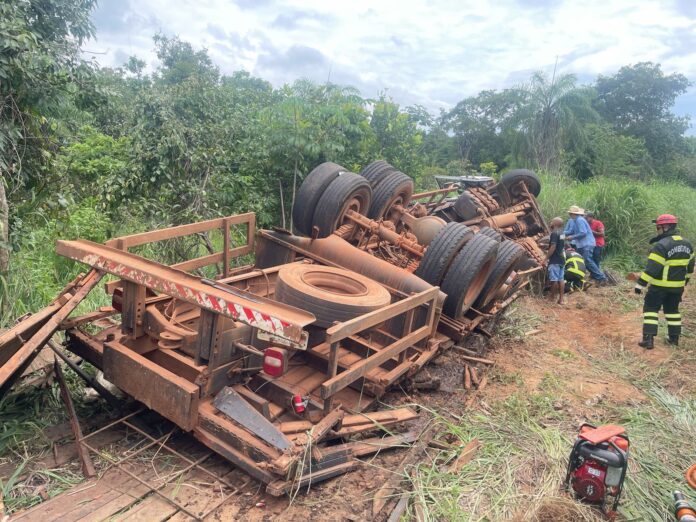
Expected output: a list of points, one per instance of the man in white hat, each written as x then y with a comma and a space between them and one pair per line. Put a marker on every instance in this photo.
579, 233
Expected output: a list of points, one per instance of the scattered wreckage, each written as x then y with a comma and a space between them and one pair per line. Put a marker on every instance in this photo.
267, 362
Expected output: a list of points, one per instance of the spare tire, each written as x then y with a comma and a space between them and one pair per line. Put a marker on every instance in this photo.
310, 191
396, 188
492, 233
376, 171
510, 180
468, 274
509, 254
441, 251
466, 207
347, 191
331, 294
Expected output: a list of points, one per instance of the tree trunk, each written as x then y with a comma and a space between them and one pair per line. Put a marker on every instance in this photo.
4, 230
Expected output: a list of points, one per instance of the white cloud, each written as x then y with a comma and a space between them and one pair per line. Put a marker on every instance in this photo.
430, 52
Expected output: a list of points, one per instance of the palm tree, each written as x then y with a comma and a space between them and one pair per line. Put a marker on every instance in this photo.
550, 115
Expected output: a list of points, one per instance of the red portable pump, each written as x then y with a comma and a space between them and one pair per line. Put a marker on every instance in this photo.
598, 465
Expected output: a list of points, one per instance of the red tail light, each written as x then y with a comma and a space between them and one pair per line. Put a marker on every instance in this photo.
275, 361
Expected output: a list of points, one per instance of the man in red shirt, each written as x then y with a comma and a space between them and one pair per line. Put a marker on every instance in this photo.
598, 231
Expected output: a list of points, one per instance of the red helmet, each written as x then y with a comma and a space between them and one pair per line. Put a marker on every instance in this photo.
665, 219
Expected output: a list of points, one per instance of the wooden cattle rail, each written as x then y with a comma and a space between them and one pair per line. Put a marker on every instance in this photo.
224, 225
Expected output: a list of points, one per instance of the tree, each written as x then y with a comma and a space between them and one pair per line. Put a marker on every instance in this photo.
549, 115
608, 153
40, 66
638, 100
398, 138
479, 124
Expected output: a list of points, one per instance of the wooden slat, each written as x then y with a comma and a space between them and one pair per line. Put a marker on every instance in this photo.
142, 238
358, 370
363, 322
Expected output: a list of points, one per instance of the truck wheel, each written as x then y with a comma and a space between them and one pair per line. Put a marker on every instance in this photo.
509, 254
396, 188
376, 171
442, 249
347, 192
492, 233
467, 275
466, 207
510, 180
331, 294
310, 191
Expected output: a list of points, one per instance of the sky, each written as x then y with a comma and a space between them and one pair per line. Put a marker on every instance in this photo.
433, 53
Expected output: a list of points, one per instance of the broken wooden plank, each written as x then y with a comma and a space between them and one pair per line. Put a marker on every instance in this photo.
465, 456
318, 431
477, 359
383, 495
85, 460
13, 368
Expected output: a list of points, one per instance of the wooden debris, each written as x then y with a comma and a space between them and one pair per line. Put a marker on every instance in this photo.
465, 456
532, 332
385, 492
467, 377
82, 452
482, 384
477, 359
474, 376
464, 350
399, 509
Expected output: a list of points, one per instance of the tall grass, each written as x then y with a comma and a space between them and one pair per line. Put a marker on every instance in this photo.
626, 208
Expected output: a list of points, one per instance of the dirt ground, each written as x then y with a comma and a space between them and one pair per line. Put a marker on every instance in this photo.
578, 351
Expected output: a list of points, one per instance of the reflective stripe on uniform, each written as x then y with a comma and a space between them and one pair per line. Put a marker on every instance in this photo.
650, 321
673, 323
645, 277
657, 257
672, 316
668, 284
649, 314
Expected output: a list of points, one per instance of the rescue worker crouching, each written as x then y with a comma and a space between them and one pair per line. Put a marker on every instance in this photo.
669, 268
575, 271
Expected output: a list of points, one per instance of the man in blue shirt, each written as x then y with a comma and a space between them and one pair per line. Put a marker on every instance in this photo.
578, 232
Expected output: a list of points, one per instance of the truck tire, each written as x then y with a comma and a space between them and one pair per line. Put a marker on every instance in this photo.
441, 251
492, 233
466, 207
376, 171
467, 275
331, 294
313, 186
510, 179
396, 188
509, 254
347, 191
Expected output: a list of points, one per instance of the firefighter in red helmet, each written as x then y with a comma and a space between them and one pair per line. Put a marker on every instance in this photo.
669, 268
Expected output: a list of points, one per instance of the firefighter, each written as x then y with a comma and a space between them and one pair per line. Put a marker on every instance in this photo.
669, 268
575, 271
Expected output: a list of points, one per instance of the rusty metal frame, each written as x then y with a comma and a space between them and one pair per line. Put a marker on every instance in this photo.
276, 318
161, 443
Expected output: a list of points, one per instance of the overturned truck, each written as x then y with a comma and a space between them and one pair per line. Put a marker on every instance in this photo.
276, 364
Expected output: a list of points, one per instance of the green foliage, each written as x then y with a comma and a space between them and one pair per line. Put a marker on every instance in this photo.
637, 101
608, 153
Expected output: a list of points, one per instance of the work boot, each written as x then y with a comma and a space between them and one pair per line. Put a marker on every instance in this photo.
647, 342
673, 340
